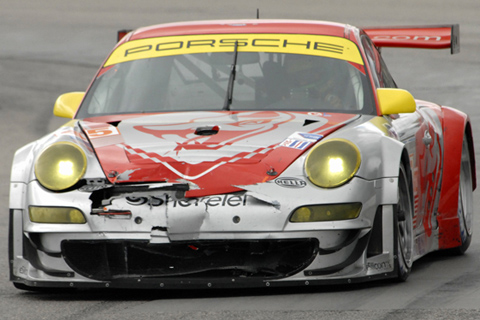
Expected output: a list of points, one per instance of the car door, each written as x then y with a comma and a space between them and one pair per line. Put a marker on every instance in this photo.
421, 132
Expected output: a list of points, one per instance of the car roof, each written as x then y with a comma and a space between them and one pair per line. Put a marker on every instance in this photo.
245, 26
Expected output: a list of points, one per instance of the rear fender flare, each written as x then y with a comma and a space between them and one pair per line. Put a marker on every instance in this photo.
456, 126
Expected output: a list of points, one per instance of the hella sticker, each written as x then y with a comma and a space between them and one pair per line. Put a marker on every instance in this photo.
290, 182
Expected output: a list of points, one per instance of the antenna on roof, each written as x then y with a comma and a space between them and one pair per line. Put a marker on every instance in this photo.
258, 13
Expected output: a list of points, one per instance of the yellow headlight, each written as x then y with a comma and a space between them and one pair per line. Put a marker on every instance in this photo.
55, 215
329, 212
332, 163
60, 166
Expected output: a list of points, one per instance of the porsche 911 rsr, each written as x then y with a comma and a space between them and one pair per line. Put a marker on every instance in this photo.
243, 154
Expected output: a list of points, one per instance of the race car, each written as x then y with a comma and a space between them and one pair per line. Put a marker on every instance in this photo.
243, 153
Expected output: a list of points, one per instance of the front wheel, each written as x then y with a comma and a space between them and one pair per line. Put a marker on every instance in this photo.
403, 219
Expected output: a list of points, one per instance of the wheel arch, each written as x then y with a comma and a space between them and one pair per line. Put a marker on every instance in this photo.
469, 135
456, 126
405, 159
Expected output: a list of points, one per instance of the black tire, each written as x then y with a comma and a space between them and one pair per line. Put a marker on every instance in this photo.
403, 219
465, 200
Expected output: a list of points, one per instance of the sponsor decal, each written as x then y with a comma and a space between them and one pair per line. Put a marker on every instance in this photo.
295, 144
379, 265
210, 201
407, 38
319, 114
290, 182
311, 136
317, 45
300, 140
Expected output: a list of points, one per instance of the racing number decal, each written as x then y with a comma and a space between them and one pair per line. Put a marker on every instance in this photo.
102, 132
103, 135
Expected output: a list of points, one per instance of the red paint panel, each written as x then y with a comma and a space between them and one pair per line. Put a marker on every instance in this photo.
224, 171
429, 37
242, 26
454, 128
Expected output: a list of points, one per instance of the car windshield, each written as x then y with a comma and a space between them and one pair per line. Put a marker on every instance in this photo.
261, 80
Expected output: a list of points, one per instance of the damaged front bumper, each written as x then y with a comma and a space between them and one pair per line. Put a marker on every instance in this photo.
156, 239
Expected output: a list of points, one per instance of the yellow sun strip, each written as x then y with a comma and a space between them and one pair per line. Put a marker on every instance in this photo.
317, 45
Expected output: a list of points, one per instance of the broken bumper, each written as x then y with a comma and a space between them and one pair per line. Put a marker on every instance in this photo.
237, 240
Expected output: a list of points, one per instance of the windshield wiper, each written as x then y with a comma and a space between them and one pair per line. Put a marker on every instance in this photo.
231, 80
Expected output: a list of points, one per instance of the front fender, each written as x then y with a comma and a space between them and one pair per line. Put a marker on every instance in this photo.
22, 172
380, 150
22, 163
20, 175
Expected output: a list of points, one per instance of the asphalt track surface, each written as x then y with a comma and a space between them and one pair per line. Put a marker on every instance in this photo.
51, 47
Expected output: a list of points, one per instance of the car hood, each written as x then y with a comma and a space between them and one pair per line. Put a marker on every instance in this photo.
211, 152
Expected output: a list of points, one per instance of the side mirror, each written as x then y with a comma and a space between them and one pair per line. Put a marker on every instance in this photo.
67, 104
394, 101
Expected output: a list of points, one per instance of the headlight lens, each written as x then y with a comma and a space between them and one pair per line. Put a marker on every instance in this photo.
60, 166
332, 163
329, 212
55, 215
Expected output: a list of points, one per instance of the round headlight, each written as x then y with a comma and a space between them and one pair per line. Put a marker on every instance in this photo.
60, 166
332, 163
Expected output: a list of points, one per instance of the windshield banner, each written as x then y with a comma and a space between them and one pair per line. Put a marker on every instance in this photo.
318, 45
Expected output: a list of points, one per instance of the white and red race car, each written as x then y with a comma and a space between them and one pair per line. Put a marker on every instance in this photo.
243, 153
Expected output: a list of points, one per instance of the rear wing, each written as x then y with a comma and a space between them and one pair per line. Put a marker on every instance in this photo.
122, 33
425, 37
